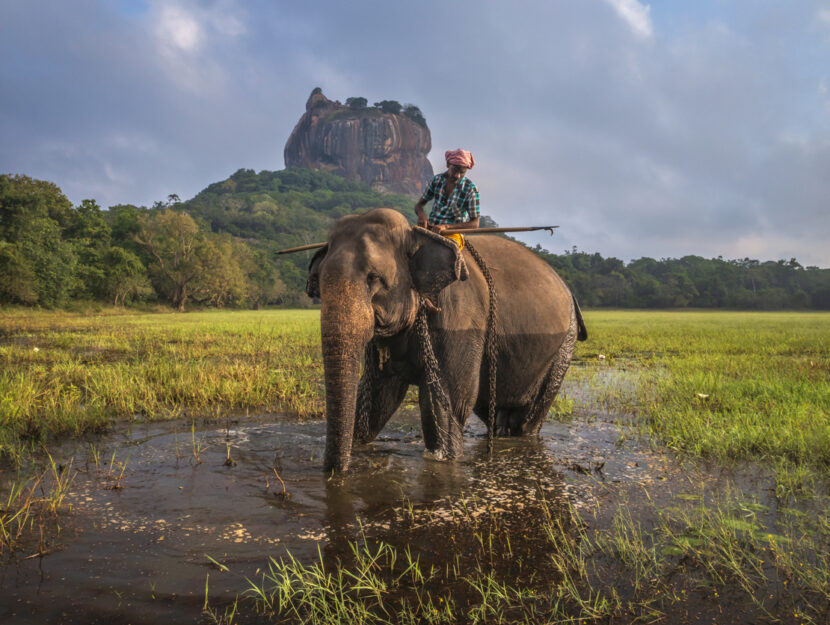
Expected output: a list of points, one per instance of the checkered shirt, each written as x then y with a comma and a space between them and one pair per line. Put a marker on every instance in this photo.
461, 206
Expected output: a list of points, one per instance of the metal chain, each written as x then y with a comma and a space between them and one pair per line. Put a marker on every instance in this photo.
433, 369
368, 382
489, 342
437, 396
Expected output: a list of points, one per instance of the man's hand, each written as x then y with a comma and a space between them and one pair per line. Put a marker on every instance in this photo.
439, 228
422, 221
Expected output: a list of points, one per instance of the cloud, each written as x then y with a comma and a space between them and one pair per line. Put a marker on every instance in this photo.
179, 29
635, 15
188, 37
712, 135
189, 26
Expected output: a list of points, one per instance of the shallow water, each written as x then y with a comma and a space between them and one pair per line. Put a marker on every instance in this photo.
140, 526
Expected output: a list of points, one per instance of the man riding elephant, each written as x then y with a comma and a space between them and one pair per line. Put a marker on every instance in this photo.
455, 196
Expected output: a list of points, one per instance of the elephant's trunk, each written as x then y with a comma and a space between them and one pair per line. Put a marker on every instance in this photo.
346, 323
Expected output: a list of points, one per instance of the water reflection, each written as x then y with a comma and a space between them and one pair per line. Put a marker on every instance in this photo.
140, 552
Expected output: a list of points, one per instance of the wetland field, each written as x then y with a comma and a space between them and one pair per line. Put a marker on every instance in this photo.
167, 468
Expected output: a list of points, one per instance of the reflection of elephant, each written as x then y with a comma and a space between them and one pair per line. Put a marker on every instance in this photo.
373, 275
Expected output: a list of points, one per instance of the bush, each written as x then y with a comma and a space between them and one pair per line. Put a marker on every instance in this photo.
389, 106
356, 104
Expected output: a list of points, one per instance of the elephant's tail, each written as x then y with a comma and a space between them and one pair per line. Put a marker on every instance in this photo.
583, 331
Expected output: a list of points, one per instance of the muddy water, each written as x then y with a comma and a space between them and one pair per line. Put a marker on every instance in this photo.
151, 506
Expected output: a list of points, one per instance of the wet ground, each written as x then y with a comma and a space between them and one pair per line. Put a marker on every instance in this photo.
153, 506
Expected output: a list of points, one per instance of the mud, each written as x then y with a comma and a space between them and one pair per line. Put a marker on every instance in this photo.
153, 506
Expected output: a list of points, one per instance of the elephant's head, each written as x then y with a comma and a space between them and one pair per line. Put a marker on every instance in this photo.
368, 278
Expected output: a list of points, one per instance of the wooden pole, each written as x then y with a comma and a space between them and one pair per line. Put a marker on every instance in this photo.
496, 230
302, 248
468, 232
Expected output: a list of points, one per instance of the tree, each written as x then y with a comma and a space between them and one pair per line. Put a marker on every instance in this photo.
356, 104
34, 216
389, 106
125, 277
220, 280
264, 283
124, 222
173, 240
414, 113
17, 280
51, 259
23, 198
89, 234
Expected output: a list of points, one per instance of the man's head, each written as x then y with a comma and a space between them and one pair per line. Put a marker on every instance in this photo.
455, 172
458, 162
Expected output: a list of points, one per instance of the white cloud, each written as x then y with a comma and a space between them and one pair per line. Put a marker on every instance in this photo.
190, 29
178, 28
224, 20
635, 15
194, 43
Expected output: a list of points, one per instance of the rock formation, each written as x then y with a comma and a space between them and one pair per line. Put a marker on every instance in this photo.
387, 150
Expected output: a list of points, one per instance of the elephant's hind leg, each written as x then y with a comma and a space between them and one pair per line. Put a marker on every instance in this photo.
529, 419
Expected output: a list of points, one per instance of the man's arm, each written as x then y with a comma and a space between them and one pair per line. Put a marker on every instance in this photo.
464, 225
419, 211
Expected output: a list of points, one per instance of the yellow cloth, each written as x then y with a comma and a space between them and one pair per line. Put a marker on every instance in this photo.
458, 238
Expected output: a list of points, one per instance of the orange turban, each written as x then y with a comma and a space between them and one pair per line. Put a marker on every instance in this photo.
460, 157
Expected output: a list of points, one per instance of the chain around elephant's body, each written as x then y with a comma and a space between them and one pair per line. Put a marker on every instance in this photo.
489, 343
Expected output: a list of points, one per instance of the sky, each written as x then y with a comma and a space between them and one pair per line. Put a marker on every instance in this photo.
641, 129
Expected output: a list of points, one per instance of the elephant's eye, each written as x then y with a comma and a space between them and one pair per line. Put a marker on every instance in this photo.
375, 280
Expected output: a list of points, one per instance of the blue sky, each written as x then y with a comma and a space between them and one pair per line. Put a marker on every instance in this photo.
658, 129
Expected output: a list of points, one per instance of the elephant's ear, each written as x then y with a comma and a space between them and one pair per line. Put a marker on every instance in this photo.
312, 284
435, 262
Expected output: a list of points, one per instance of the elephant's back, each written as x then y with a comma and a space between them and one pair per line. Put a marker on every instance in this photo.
532, 298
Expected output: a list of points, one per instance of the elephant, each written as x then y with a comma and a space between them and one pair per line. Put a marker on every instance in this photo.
377, 275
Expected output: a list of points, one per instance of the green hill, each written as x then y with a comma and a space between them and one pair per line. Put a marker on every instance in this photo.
272, 210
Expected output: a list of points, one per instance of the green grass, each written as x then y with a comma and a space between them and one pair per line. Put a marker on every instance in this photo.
715, 557
63, 373
725, 385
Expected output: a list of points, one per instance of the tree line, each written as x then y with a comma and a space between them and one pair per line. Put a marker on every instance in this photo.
692, 282
53, 253
218, 249
389, 106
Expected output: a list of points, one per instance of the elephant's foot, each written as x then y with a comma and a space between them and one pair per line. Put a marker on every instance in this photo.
504, 422
442, 427
448, 444
437, 455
